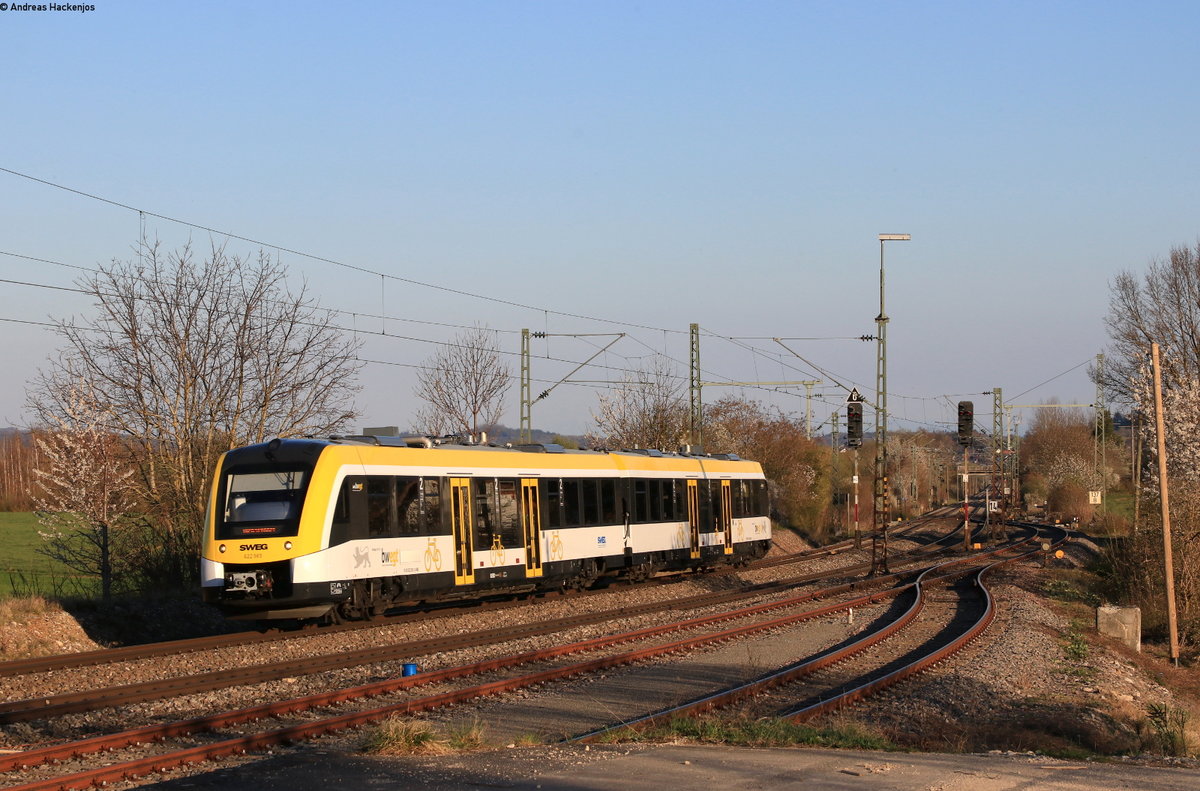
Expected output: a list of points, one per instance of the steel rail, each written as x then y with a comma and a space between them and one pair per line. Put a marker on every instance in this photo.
101, 656
228, 747
15, 667
800, 669
77, 702
144, 766
851, 696
68, 750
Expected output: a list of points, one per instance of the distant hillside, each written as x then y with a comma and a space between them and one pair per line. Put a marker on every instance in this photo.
503, 434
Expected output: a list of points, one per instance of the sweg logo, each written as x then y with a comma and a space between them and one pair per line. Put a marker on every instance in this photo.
251, 547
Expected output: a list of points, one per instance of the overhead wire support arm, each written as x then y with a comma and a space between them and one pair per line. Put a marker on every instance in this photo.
526, 432
816, 367
548, 390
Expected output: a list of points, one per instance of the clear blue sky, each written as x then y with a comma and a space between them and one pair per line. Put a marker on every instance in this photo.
649, 163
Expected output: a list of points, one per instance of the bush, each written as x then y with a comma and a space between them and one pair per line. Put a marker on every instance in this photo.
1133, 574
403, 736
1071, 500
1169, 728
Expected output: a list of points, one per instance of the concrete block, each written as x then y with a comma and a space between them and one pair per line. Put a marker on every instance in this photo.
1123, 623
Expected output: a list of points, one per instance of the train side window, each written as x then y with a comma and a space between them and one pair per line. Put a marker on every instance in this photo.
608, 501
737, 498
591, 502
667, 500
552, 490
570, 503
381, 506
341, 509
350, 512
509, 522
641, 508
408, 503
432, 506
762, 503
656, 512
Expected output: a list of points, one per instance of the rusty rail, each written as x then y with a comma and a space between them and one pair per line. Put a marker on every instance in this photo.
15, 667
954, 646
799, 670
257, 741
77, 702
225, 748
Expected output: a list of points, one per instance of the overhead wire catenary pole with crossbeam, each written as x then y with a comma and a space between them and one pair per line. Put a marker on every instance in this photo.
882, 516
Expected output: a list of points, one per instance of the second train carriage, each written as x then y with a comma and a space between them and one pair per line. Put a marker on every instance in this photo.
346, 527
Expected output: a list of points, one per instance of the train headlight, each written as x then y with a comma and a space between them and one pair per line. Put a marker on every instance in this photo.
221, 549
287, 544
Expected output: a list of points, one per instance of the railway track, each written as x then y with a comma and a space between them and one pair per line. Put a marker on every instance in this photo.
228, 746
685, 635
846, 673
425, 611
49, 704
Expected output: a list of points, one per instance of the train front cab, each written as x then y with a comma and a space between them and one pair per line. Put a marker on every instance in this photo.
258, 522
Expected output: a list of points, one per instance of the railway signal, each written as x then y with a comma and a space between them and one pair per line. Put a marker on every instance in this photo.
966, 422
854, 424
854, 434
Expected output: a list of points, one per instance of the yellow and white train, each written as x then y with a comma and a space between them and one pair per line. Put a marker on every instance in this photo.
346, 527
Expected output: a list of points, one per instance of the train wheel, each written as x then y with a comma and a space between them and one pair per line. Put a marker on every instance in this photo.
641, 572
589, 572
361, 604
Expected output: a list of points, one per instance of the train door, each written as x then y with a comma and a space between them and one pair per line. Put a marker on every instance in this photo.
693, 510
531, 520
460, 525
725, 516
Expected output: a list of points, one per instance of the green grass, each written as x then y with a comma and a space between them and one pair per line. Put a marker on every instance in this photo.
24, 572
1073, 587
1120, 503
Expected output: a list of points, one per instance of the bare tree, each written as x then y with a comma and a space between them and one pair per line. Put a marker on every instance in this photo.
85, 492
797, 469
463, 385
647, 410
1137, 562
1162, 306
189, 357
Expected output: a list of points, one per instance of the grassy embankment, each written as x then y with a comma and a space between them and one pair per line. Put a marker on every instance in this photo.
24, 572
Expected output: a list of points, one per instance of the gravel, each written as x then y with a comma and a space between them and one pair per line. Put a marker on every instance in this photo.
1013, 686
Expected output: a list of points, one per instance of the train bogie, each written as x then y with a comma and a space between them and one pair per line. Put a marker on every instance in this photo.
349, 527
